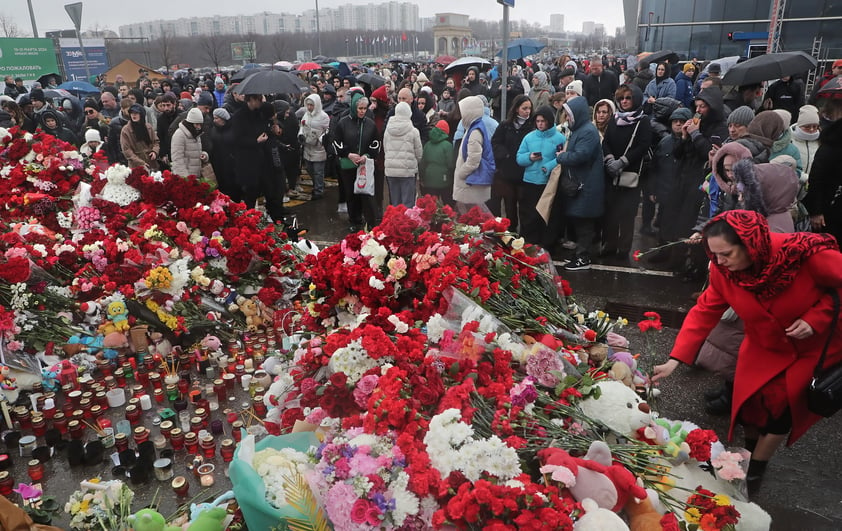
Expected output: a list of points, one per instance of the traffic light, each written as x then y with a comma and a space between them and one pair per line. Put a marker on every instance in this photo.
730, 35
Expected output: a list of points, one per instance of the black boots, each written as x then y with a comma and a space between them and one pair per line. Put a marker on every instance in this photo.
754, 477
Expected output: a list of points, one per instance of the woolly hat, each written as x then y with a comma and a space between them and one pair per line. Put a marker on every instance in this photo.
222, 113
380, 94
37, 95
194, 116
808, 115
205, 98
741, 116
138, 108
836, 63
218, 80
785, 115
441, 124
92, 135
688, 66
682, 113
91, 103
714, 68
574, 86
185, 95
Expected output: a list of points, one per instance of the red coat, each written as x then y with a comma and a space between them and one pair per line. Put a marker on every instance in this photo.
766, 350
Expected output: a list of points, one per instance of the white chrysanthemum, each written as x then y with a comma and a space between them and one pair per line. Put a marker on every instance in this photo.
400, 326
375, 252
436, 326
406, 503
376, 283
65, 219
351, 360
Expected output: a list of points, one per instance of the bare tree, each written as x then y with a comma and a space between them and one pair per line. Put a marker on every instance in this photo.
213, 49
167, 49
8, 27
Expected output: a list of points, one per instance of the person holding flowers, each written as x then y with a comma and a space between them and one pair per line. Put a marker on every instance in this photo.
779, 284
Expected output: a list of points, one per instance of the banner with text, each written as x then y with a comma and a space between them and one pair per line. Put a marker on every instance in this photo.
74, 60
28, 59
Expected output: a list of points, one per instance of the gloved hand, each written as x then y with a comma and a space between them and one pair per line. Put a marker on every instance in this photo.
614, 167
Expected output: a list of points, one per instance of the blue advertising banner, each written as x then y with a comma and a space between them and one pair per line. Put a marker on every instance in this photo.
74, 61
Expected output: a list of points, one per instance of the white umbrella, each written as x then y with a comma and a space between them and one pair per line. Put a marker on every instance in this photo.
725, 62
285, 65
464, 62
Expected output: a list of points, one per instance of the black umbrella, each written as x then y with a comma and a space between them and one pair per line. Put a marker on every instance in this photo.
769, 66
244, 73
272, 82
660, 57
371, 79
45, 79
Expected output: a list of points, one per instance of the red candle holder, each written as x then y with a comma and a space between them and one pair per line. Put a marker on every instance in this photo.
140, 435
191, 442
208, 446
180, 486
7, 483
35, 469
177, 439
121, 441
39, 426
60, 422
76, 428
226, 449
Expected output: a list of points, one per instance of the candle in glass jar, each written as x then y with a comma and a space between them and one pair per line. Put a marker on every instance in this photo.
177, 439
205, 472
7, 483
208, 445
180, 486
191, 442
35, 468
246, 381
226, 449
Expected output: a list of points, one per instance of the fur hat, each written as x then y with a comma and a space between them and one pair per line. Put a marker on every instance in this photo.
442, 124
205, 98
222, 113
194, 116
92, 135
808, 115
741, 116
574, 86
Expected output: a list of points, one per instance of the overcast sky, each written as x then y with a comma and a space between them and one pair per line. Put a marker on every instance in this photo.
50, 14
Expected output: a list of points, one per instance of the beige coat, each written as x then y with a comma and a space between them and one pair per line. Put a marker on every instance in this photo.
402, 144
186, 152
136, 151
463, 192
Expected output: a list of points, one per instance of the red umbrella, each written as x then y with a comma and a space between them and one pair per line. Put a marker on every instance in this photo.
308, 66
444, 59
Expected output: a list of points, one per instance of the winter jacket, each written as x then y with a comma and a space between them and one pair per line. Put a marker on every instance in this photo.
356, 135
137, 151
60, 132
766, 351
249, 156
505, 142
825, 182
787, 95
631, 141
783, 146
402, 144
470, 156
664, 88
684, 90
806, 149
665, 169
490, 124
603, 87
642, 79
437, 162
186, 152
313, 126
545, 142
583, 158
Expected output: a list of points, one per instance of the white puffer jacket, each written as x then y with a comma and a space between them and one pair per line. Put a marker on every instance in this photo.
402, 144
313, 126
186, 152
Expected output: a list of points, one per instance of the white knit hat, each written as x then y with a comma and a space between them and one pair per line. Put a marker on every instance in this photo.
218, 80
808, 115
194, 116
575, 86
92, 135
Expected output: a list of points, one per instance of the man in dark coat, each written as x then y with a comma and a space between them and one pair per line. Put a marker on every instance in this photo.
787, 93
601, 84
169, 112
249, 133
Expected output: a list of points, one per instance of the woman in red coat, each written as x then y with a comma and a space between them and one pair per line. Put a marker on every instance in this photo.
779, 285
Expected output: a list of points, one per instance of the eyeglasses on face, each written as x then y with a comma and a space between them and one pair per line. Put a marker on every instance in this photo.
629, 97
90, 111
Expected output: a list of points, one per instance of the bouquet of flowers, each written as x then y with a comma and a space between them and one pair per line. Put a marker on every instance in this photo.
100, 505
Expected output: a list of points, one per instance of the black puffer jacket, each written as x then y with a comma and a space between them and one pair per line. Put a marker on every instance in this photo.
619, 137
355, 135
505, 143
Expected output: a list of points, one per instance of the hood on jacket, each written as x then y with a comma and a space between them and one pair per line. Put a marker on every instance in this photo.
422, 78
748, 186
662, 109
778, 183
547, 113
401, 122
543, 81
578, 108
49, 113
437, 135
637, 96
712, 96
784, 139
718, 164
611, 106
572, 64
317, 104
767, 127
471, 109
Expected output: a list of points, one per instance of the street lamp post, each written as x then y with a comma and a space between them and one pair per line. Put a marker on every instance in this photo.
318, 28
504, 60
32, 19
75, 12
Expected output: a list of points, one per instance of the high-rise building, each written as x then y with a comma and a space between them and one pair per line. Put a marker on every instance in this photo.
588, 27
556, 23
387, 16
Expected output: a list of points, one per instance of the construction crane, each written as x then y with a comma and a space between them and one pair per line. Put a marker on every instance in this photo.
776, 21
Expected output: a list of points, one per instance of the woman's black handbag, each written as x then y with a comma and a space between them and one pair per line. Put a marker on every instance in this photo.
569, 184
824, 394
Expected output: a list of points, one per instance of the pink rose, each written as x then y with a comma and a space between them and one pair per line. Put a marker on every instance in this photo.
359, 511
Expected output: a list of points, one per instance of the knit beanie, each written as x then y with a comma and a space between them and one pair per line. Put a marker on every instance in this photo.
185, 95
194, 116
741, 116
205, 99
575, 86
222, 113
808, 115
218, 80
37, 95
682, 113
688, 66
442, 124
92, 135
785, 115
380, 94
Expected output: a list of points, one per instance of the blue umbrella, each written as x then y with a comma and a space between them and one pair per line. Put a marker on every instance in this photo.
520, 48
78, 87
252, 66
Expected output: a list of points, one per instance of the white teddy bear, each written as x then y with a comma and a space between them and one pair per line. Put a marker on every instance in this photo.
618, 407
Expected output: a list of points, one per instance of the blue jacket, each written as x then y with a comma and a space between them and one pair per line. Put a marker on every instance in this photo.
684, 90
664, 89
547, 143
490, 125
484, 174
583, 157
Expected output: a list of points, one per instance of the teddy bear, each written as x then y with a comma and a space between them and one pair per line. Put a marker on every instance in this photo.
595, 476
150, 520
210, 516
625, 365
49, 379
598, 519
250, 309
117, 318
642, 515
618, 407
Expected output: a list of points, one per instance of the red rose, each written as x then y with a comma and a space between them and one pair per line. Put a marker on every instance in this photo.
358, 511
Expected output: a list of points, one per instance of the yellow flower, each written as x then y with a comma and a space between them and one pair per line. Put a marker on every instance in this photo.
83, 507
601, 315
722, 500
692, 515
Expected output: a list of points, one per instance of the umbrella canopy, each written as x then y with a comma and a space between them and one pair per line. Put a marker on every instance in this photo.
56, 93
272, 82
725, 63
444, 59
371, 79
830, 90
45, 79
769, 66
244, 73
303, 67
79, 87
464, 62
284, 65
659, 57
520, 48
252, 66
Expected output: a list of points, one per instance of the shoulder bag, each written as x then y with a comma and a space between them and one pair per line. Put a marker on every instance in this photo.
824, 394
630, 179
